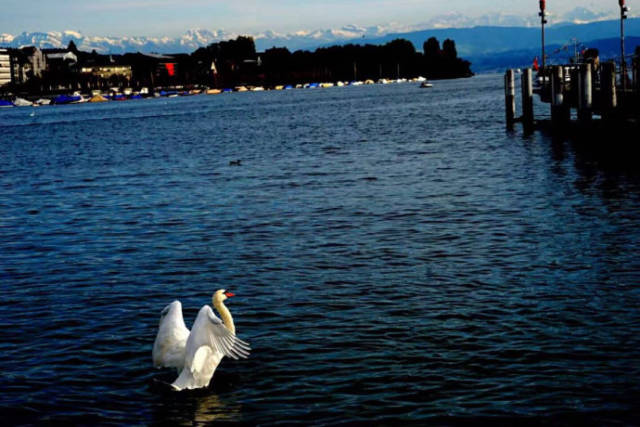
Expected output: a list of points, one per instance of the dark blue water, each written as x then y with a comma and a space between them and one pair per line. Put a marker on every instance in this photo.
396, 255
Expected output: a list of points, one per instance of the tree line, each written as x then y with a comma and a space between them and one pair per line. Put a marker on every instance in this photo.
393, 60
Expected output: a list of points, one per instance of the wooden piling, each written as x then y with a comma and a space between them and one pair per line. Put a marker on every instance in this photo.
560, 113
510, 98
608, 88
636, 77
585, 93
527, 100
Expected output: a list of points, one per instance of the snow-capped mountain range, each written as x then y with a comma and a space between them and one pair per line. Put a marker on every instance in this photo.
193, 39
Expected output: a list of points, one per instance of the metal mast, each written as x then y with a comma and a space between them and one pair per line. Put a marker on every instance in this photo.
543, 20
623, 65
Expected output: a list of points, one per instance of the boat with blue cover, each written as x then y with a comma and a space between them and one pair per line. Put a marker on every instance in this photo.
67, 99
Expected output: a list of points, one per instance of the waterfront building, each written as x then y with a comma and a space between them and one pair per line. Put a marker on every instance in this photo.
27, 62
108, 71
60, 60
5, 67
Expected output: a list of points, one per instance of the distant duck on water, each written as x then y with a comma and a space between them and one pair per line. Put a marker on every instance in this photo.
235, 163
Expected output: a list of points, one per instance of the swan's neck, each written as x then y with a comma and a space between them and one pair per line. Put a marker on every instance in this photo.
225, 315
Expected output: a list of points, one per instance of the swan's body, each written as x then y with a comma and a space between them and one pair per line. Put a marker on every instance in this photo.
171, 340
208, 342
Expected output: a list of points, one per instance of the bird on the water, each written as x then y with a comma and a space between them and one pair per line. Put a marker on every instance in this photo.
197, 354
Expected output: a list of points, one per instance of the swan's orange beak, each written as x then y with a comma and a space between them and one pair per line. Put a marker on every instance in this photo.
230, 294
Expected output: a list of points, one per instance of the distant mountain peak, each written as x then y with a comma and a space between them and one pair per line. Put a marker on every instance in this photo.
582, 15
6, 38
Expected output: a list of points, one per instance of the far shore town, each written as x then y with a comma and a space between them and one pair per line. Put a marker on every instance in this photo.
33, 76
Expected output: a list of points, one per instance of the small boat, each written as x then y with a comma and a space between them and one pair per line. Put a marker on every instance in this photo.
82, 98
21, 102
213, 91
42, 101
67, 99
5, 104
425, 85
97, 98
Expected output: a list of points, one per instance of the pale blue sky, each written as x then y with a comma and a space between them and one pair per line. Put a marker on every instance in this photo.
173, 17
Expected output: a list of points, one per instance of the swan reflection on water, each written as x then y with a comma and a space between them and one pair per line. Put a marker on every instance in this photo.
196, 408
211, 408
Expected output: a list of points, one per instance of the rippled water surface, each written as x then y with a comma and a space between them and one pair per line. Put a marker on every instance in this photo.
395, 253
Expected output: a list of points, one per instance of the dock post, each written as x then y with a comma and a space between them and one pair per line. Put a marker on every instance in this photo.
585, 93
636, 79
608, 88
527, 100
510, 98
560, 114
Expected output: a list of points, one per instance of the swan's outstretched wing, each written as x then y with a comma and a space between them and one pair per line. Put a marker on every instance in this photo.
208, 330
221, 339
208, 343
169, 346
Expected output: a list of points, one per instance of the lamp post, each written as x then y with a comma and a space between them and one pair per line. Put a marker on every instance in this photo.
623, 65
543, 20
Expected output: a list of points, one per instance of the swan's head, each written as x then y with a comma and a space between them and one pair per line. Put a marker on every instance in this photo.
220, 295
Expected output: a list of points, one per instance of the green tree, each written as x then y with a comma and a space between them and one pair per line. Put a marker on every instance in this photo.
449, 49
431, 48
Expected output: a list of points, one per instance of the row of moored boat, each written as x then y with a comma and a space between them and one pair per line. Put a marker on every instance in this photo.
96, 96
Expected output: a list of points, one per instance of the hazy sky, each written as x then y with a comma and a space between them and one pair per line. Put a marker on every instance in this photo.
173, 17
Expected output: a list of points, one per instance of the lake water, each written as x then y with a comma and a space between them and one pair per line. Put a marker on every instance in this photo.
396, 256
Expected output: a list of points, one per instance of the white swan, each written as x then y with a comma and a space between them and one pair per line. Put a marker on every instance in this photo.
209, 341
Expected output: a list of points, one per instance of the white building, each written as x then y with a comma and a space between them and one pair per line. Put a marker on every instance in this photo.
28, 62
5, 67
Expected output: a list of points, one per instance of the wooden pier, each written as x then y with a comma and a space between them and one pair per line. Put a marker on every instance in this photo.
597, 93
